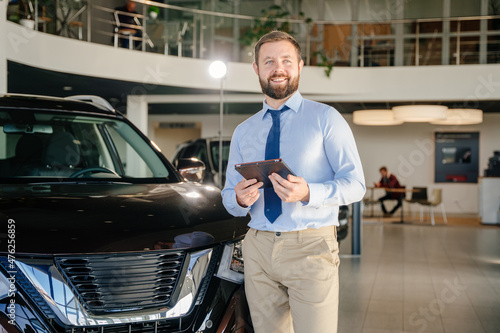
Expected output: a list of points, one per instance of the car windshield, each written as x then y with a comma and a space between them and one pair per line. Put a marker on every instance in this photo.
62, 145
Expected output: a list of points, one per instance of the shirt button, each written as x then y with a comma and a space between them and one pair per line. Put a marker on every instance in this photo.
278, 234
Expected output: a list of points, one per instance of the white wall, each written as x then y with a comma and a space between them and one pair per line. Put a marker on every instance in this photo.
169, 138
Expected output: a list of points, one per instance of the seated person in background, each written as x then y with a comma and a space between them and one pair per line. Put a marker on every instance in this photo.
388, 180
125, 22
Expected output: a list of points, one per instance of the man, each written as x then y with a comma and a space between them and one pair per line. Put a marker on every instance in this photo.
127, 19
388, 180
291, 250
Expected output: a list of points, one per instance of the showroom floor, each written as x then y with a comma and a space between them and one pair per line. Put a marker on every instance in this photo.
414, 277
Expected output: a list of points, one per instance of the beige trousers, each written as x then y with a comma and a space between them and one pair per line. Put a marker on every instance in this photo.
292, 280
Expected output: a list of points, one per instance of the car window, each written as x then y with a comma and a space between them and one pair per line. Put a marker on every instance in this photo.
131, 161
202, 153
214, 148
64, 145
196, 150
188, 151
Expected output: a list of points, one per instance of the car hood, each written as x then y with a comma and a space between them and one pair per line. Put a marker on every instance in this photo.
89, 218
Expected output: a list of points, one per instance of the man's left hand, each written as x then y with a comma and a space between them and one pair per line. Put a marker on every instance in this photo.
292, 189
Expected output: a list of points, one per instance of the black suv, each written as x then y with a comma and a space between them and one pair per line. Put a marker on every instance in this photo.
100, 233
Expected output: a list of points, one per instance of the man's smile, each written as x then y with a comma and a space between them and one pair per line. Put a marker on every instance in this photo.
278, 79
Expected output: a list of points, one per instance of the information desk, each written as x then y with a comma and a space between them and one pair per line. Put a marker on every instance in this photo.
489, 200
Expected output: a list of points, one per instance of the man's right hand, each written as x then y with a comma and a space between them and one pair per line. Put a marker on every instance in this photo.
247, 192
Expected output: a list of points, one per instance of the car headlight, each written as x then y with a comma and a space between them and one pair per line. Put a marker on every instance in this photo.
231, 265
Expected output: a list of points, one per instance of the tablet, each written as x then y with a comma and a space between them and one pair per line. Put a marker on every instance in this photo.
260, 170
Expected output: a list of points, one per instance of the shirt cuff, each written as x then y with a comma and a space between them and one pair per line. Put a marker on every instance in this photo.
236, 209
316, 195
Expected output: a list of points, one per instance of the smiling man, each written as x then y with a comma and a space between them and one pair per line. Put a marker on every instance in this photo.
278, 85
291, 250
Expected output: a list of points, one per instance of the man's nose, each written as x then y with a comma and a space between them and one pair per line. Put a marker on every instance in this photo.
279, 68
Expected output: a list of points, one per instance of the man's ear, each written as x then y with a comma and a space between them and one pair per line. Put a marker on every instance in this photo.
301, 65
255, 68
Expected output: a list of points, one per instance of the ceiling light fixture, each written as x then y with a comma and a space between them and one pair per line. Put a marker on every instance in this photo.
375, 118
461, 117
419, 113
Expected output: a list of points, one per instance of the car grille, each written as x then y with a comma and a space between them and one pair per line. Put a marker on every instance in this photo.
108, 284
173, 325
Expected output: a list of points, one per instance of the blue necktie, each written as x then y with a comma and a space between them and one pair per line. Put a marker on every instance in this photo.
272, 203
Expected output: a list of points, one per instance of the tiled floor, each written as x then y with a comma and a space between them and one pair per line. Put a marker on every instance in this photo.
419, 278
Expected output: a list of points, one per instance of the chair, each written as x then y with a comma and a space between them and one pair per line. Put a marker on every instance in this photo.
437, 200
418, 194
372, 203
132, 33
79, 26
125, 31
43, 19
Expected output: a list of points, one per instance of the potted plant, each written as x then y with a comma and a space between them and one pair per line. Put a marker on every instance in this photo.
325, 62
264, 24
268, 22
153, 12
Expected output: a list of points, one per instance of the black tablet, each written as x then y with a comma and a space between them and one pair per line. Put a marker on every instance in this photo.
260, 170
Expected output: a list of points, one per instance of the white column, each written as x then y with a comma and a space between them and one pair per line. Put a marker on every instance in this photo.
483, 39
354, 33
399, 32
3, 47
321, 29
137, 112
445, 48
236, 31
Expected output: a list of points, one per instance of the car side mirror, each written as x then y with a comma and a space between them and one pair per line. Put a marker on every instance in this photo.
192, 169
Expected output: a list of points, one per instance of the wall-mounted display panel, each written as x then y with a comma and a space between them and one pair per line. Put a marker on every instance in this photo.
456, 157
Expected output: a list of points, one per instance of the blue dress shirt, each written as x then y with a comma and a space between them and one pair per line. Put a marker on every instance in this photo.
317, 144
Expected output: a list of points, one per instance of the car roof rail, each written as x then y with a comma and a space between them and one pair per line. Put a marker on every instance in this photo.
93, 99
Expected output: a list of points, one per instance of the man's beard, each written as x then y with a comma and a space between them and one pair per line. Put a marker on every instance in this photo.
280, 92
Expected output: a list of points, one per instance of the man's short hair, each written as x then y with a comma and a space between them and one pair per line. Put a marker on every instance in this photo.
383, 169
275, 36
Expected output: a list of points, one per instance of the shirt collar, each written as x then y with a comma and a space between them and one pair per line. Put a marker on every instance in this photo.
293, 103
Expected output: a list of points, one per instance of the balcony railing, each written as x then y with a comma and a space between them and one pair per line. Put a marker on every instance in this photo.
211, 34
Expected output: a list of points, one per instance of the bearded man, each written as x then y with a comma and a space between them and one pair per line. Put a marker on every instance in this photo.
291, 251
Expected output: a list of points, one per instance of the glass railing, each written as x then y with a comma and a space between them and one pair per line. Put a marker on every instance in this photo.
216, 33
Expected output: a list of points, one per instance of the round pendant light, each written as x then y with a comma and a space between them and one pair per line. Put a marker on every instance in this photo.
419, 113
375, 118
461, 117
